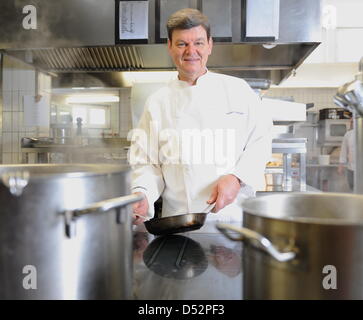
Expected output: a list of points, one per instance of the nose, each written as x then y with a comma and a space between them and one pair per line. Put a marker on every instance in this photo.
191, 49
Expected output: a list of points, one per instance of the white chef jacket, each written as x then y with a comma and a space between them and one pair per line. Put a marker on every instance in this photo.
347, 150
231, 132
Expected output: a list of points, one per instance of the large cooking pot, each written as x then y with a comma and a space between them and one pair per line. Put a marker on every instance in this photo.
65, 232
312, 246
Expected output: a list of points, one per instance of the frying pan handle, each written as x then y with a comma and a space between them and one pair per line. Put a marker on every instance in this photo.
256, 239
101, 206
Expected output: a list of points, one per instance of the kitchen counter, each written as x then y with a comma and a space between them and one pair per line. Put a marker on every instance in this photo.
294, 188
74, 153
201, 264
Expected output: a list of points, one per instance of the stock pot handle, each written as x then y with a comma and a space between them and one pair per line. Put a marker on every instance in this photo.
101, 206
256, 239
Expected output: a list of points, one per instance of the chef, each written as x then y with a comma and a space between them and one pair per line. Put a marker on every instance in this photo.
203, 138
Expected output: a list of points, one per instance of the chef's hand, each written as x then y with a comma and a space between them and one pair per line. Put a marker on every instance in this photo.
141, 207
224, 192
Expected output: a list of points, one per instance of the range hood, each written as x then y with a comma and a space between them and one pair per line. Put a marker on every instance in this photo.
78, 36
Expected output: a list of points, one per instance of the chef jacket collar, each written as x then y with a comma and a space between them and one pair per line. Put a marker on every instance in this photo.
200, 80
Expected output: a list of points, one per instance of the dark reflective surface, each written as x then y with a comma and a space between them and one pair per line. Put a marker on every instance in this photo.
175, 256
201, 264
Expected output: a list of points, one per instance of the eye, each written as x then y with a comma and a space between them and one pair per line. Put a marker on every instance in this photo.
180, 44
199, 43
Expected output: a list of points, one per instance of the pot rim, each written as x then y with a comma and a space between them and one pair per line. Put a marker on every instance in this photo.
85, 170
248, 208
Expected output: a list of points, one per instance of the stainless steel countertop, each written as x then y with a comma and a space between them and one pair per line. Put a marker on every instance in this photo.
201, 264
294, 188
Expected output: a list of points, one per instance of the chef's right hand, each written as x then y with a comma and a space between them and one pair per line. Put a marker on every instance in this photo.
141, 207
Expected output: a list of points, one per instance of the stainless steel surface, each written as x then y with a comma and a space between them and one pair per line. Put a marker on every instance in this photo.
321, 229
62, 133
80, 37
75, 154
95, 264
288, 147
16, 181
257, 240
175, 256
1, 107
198, 265
274, 178
350, 96
326, 178
101, 206
326, 134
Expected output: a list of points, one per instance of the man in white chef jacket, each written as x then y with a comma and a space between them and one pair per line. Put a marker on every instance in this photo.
203, 138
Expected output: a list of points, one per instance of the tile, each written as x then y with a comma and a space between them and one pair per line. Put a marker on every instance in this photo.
15, 84
21, 122
15, 142
7, 158
7, 121
15, 100
7, 100
16, 157
23, 79
30, 80
7, 79
7, 145
15, 121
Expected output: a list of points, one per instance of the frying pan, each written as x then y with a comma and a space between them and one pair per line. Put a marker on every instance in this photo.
177, 224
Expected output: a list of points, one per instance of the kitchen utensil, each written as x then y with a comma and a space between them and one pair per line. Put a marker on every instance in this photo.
60, 236
310, 246
179, 223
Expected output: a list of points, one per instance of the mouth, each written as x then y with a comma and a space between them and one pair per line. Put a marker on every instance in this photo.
191, 59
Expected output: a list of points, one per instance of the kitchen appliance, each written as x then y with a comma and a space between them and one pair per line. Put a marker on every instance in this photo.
55, 221
334, 113
309, 246
332, 131
86, 41
290, 147
62, 133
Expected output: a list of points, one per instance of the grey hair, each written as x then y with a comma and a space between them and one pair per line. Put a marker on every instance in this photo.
186, 19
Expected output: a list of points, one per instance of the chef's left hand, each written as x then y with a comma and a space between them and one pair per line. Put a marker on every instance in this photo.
224, 192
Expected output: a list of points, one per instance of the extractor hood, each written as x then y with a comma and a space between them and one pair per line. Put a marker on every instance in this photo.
78, 36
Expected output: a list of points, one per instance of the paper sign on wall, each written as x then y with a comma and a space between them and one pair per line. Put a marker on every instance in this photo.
36, 111
133, 22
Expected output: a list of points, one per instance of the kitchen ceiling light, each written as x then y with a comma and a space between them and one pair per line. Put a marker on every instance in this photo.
91, 98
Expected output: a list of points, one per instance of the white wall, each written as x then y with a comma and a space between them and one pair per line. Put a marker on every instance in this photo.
18, 81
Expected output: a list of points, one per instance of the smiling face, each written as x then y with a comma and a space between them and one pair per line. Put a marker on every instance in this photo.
190, 49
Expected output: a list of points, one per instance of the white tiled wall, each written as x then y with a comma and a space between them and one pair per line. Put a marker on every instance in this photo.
125, 112
321, 97
18, 80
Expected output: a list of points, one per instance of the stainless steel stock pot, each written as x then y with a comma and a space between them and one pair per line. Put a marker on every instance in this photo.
311, 246
65, 232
